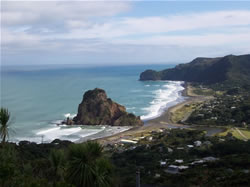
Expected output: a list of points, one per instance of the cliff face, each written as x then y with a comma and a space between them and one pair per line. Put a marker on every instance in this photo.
205, 70
97, 109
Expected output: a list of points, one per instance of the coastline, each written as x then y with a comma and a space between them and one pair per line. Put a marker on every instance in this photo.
158, 123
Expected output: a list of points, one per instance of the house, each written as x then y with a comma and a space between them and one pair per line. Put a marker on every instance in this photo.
138, 138
160, 130
244, 124
170, 150
162, 163
179, 161
183, 167
209, 159
126, 141
245, 171
197, 162
180, 148
150, 138
157, 175
197, 143
173, 169
207, 143
132, 148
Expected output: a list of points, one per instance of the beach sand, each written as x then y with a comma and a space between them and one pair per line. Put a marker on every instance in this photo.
161, 122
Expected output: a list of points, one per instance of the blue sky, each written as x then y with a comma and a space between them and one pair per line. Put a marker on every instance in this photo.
121, 32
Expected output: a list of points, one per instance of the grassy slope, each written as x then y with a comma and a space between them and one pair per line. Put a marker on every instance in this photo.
236, 133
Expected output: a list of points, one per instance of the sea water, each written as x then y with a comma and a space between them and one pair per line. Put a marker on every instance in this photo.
40, 97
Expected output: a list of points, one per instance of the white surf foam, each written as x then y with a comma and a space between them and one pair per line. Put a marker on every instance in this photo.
57, 132
72, 133
69, 115
168, 93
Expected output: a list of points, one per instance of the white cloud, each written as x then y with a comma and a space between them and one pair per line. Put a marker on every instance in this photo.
93, 27
193, 40
124, 27
29, 12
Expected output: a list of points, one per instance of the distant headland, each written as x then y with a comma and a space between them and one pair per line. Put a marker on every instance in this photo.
228, 69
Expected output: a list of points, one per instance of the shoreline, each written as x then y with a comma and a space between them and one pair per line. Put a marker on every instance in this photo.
161, 122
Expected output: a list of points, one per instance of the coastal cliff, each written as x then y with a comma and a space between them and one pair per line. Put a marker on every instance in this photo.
97, 109
228, 69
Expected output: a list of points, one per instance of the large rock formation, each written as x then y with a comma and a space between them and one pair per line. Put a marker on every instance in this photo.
97, 109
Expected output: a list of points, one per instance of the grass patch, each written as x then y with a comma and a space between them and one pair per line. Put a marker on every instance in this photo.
206, 92
236, 134
183, 112
246, 132
198, 91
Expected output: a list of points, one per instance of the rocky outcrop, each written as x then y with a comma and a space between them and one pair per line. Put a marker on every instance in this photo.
97, 109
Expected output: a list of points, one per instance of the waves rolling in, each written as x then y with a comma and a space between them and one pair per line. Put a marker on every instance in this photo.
39, 100
165, 96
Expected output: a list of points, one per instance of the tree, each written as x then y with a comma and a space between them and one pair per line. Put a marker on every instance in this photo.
104, 170
8, 164
4, 122
87, 167
57, 161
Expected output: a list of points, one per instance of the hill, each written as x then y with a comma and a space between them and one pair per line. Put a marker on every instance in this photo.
230, 69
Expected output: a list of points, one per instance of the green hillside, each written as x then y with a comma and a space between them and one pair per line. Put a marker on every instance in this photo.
234, 69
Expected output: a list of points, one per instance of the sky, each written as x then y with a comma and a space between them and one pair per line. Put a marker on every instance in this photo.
121, 32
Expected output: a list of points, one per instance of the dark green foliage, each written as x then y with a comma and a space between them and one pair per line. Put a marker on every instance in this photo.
7, 164
230, 170
87, 167
57, 165
223, 111
232, 70
39, 165
57, 160
150, 75
4, 124
232, 147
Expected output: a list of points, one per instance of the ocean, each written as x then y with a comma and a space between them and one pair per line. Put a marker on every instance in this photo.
40, 97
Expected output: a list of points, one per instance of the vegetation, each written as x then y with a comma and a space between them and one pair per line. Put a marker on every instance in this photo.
87, 167
225, 110
60, 164
4, 124
229, 70
242, 134
198, 159
231, 164
183, 112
